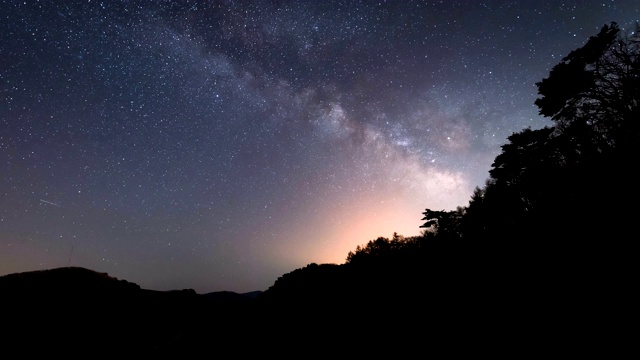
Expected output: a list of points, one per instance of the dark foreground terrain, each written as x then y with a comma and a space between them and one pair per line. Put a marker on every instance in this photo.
318, 310
79, 312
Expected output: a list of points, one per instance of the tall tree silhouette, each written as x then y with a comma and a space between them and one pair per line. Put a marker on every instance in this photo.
593, 96
526, 181
596, 86
546, 182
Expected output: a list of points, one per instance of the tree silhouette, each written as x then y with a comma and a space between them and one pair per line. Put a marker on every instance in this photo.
445, 225
546, 182
593, 96
597, 86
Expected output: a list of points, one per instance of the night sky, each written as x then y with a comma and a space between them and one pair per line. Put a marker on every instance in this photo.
217, 145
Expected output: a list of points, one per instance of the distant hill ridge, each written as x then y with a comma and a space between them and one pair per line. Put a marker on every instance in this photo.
82, 280
74, 309
66, 279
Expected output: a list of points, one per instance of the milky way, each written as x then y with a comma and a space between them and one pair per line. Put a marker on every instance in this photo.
219, 145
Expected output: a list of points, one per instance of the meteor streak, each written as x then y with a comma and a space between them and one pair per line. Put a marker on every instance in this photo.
50, 203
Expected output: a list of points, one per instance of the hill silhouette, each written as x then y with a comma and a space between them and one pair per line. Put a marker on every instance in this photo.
78, 311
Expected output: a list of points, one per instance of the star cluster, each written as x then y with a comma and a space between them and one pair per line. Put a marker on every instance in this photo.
217, 145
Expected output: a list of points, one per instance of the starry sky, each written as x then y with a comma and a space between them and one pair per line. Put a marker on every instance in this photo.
217, 145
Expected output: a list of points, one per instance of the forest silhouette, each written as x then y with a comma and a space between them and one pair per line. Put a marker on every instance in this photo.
540, 257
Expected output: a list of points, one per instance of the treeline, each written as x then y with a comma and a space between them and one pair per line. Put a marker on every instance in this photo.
565, 195
555, 219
